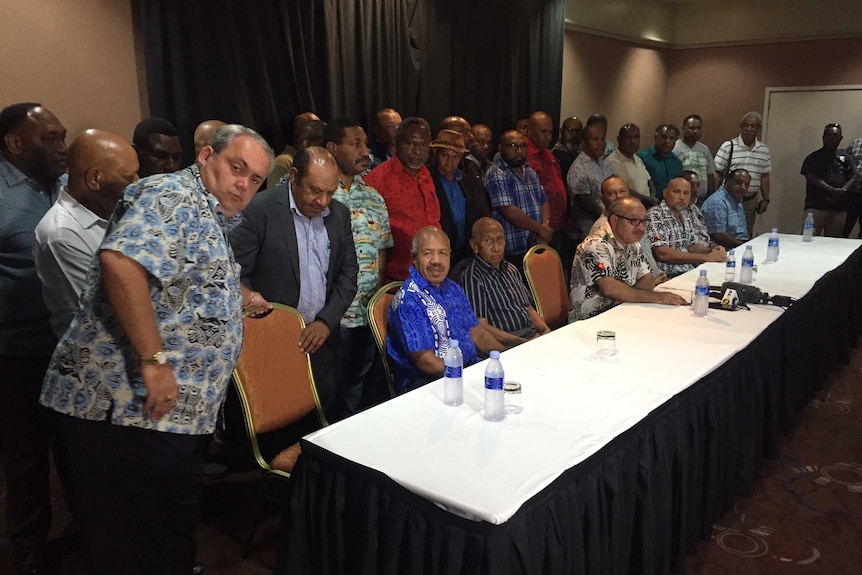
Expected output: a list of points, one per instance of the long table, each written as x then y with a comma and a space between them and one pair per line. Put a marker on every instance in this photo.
614, 466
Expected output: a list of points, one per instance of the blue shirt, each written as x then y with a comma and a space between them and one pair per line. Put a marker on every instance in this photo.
24, 327
173, 228
423, 317
458, 206
506, 188
723, 214
661, 169
312, 241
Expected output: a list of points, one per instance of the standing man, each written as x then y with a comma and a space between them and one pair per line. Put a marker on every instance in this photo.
747, 152
567, 147
519, 202
101, 165
462, 198
306, 130
296, 248
829, 174
854, 195
406, 184
158, 146
661, 163
204, 132
369, 221
673, 234
695, 156
386, 122
141, 372
585, 179
480, 149
32, 167
628, 165
540, 131
609, 267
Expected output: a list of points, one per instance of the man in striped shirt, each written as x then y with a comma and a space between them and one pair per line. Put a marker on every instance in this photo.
495, 290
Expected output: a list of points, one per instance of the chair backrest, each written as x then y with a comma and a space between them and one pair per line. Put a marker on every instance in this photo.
544, 272
273, 376
378, 319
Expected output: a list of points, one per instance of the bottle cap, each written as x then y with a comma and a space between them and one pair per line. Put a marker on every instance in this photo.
775, 230
495, 354
730, 253
453, 343
703, 272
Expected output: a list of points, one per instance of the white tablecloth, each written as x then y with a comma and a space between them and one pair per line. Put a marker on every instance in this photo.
574, 404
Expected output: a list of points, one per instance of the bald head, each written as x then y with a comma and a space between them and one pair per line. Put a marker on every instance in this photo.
627, 219
570, 131
488, 241
101, 165
204, 132
540, 130
613, 188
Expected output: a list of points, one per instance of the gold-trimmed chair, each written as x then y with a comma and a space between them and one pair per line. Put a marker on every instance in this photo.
544, 272
378, 319
275, 384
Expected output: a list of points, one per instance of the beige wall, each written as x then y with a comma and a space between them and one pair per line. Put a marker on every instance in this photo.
645, 19
77, 58
626, 83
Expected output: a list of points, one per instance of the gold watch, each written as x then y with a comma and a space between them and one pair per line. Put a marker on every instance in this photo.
158, 358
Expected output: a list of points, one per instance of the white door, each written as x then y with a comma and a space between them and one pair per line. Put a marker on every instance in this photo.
792, 128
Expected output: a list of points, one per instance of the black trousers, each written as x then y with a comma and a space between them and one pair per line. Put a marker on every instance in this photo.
27, 429
137, 496
854, 213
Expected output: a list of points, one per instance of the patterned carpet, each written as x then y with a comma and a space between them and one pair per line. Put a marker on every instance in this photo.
805, 517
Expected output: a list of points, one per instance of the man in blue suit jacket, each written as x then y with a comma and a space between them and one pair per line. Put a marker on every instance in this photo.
296, 248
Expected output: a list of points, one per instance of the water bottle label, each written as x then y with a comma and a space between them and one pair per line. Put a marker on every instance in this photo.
809, 225
747, 263
452, 371
702, 290
773, 242
495, 383
731, 264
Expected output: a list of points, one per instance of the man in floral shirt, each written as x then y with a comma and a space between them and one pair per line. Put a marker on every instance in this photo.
609, 268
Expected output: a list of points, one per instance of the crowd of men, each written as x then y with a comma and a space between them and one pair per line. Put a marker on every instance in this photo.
124, 276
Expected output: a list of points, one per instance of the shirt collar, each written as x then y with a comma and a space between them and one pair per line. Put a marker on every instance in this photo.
14, 177
480, 260
81, 213
425, 285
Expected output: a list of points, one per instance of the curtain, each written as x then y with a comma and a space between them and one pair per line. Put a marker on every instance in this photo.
261, 63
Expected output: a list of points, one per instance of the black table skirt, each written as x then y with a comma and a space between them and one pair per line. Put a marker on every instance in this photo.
640, 505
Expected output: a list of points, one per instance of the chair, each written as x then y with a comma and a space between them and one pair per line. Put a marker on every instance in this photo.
276, 388
544, 272
378, 319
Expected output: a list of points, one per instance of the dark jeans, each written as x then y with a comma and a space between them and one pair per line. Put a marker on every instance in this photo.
138, 496
356, 356
854, 213
27, 430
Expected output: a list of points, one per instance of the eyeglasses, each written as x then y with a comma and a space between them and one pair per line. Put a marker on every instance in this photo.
514, 146
635, 222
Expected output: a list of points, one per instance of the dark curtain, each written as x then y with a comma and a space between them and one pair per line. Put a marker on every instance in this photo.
261, 63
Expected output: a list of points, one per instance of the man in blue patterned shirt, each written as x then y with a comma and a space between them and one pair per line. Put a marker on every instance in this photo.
427, 312
723, 212
142, 370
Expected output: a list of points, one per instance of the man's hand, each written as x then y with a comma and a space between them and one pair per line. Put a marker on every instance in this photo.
313, 336
545, 233
715, 255
668, 298
720, 250
762, 206
161, 390
660, 278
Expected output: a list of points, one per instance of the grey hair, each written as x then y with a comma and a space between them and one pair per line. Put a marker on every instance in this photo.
229, 132
753, 115
427, 229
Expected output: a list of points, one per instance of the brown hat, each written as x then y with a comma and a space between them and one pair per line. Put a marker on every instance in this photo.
451, 140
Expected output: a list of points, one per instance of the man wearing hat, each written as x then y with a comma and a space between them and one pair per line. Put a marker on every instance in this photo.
462, 200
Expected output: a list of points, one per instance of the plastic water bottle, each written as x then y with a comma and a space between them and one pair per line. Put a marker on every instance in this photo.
701, 295
808, 228
745, 274
730, 267
494, 410
772, 250
453, 381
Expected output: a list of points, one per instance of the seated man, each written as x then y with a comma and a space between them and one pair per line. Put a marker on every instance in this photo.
612, 188
609, 268
428, 310
502, 302
673, 233
724, 213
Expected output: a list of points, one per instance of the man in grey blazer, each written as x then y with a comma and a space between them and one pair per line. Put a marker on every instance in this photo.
296, 248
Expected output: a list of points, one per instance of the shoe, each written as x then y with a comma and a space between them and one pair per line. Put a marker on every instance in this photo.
213, 470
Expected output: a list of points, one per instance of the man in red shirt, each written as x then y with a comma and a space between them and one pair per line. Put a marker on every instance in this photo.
540, 132
408, 189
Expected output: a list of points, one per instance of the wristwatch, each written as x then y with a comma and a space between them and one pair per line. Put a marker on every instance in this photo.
158, 358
